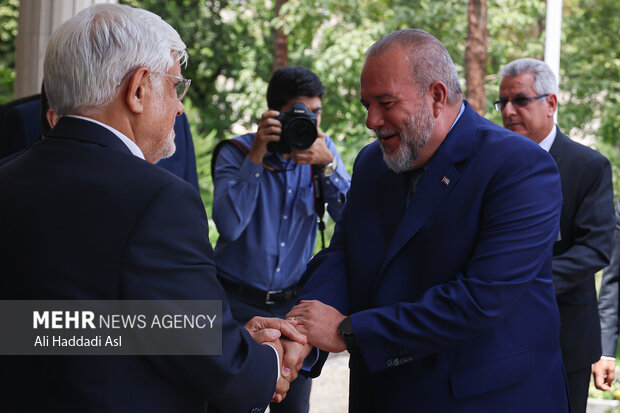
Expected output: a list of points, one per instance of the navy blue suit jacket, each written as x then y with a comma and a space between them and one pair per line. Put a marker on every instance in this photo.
21, 126
451, 299
86, 219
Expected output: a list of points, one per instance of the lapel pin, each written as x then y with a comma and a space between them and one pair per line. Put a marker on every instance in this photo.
445, 181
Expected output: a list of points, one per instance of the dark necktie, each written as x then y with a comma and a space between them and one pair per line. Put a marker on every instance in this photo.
412, 180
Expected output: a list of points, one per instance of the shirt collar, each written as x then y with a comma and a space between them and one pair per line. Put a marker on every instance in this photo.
458, 117
128, 142
548, 141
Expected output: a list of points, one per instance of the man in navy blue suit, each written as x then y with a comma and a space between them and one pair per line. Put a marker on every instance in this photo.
87, 216
438, 279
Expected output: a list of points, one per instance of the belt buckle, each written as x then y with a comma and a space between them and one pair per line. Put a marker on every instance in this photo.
269, 295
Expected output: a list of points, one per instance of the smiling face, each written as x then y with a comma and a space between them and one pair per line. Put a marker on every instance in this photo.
398, 112
535, 119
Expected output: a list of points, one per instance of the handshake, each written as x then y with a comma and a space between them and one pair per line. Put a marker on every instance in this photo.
308, 324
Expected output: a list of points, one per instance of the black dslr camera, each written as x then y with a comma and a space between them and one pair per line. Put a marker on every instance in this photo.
298, 130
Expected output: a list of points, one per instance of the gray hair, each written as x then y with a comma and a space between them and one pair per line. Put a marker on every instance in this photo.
544, 79
429, 60
89, 57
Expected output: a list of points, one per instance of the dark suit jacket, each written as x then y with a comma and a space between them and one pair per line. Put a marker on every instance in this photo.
86, 219
583, 247
609, 296
451, 299
20, 126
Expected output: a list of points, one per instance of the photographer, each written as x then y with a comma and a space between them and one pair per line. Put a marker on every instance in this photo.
264, 204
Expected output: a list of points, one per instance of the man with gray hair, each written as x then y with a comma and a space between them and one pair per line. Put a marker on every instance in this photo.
438, 278
528, 101
86, 216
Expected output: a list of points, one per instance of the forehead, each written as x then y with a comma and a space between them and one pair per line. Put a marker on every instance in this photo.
312, 103
387, 74
520, 84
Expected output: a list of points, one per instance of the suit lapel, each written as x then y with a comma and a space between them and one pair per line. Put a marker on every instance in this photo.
441, 177
556, 151
558, 146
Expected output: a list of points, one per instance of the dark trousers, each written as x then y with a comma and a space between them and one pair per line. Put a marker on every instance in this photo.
298, 397
578, 383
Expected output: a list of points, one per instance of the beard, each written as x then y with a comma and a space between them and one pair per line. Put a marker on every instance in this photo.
167, 147
413, 139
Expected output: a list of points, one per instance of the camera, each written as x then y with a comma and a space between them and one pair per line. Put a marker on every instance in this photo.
298, 130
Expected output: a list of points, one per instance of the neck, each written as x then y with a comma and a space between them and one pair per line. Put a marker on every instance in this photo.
114, 116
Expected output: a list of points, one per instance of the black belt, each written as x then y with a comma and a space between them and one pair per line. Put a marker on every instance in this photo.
260, 296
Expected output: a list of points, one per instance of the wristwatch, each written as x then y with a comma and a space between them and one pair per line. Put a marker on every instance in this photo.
330, 168
345, 328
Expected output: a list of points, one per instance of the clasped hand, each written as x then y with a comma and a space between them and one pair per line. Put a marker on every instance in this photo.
292, 348
319, 323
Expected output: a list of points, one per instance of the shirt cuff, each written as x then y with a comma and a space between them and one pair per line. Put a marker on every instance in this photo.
608, 358
249, 171
310, 360
338, 182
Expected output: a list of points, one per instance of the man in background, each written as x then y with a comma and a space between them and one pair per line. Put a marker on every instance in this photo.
528, 100
264, 207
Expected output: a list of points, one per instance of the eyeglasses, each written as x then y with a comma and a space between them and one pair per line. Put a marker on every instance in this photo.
182, 84
519, 102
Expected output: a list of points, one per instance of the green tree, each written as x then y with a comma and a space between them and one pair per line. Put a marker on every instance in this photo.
8, 33
590, 68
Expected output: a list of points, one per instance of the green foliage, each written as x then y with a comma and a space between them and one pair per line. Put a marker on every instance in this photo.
591, 68
8, 32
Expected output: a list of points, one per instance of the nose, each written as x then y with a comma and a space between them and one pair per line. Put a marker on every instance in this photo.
180, 108
374, 118
509, 109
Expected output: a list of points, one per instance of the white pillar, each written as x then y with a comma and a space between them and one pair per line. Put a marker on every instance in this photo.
553, 38
37, 20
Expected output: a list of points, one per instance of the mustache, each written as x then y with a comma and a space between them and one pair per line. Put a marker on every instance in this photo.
383, 133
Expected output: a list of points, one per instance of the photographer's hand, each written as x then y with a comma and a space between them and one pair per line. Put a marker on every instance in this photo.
269, 130
317, 154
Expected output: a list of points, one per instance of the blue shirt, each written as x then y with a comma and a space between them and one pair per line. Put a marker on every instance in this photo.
265, 219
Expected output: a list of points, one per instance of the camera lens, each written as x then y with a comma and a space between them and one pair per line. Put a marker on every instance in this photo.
301, 133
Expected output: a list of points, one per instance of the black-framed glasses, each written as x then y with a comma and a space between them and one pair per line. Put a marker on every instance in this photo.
181, 86
519, 102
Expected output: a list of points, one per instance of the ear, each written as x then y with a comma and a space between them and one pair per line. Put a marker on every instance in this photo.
136, 89
52, 118
552, 104
439, 93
